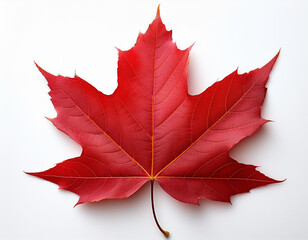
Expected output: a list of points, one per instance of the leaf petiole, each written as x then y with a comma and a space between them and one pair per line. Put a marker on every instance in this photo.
166, 233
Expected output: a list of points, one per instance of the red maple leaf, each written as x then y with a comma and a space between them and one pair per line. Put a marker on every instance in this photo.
151, 129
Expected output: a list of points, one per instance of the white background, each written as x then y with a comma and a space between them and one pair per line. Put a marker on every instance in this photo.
64, 36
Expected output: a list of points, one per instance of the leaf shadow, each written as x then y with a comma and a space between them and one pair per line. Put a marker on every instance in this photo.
251, 144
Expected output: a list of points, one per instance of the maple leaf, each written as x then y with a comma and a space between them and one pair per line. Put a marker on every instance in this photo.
151, 129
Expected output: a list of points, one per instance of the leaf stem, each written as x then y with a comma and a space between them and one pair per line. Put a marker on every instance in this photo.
166, 233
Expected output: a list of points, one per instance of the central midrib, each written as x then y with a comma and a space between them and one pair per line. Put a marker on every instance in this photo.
153, 103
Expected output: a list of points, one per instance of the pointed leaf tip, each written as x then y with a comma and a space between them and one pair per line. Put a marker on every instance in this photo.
49, 119
39, 68
191, 46
43, 72
158, 12
277, 55
272, 62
